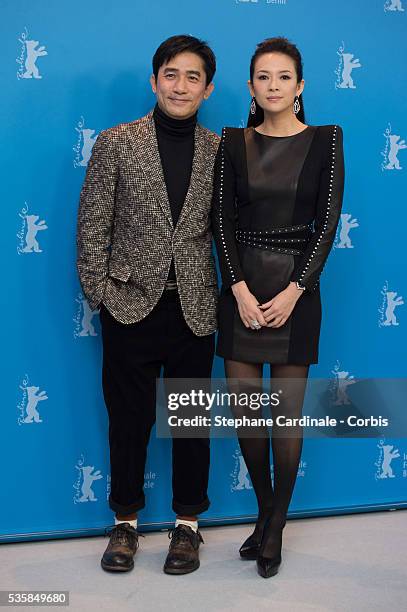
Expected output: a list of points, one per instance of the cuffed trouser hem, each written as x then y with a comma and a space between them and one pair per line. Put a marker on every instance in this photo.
129, 508
190, 510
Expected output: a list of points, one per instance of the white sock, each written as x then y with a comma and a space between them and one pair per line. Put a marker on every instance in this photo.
192, 524
132, 523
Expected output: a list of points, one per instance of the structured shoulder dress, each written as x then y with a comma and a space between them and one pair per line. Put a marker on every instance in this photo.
276, 206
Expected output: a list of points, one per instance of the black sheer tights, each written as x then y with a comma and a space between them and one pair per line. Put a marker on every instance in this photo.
274, 501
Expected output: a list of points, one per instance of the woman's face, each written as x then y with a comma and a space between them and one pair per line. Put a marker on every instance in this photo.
275, 82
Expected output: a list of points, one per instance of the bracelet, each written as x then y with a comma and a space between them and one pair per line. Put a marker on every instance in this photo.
300, 287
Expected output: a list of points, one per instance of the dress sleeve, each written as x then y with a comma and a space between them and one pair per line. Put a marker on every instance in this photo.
328, 211
224, 214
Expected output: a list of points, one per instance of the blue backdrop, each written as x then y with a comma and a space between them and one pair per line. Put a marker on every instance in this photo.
71, 69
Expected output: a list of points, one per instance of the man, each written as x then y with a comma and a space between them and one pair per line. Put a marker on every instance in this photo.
145, 258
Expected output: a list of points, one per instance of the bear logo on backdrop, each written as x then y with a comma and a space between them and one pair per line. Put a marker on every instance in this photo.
29, 54
84, 482
84, 318
392, 146
87, 475
342, 238
393, 5
28, 406
390, 301
27, 235
339, 385
386, 466
239, 475
345, 68
85, 140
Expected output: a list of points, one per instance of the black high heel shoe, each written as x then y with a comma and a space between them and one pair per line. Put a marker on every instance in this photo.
250, 547
268, 566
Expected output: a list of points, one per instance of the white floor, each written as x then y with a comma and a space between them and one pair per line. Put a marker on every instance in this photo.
354, 563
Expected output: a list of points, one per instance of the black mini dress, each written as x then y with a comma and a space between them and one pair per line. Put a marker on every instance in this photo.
276, 206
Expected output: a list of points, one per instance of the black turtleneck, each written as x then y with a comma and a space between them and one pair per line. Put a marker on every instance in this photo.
176, 146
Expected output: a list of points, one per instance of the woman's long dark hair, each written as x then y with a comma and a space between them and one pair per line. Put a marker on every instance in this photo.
280, 45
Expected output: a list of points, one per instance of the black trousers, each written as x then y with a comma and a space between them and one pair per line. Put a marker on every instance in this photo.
132, 359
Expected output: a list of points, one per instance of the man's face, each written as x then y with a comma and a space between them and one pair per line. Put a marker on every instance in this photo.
181, 86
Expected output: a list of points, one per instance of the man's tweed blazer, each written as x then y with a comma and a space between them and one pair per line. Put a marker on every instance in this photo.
125, 234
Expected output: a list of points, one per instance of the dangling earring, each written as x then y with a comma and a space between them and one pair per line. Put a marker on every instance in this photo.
253, 106
297, 105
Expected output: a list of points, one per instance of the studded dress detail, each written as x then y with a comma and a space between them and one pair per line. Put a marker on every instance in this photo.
276, 206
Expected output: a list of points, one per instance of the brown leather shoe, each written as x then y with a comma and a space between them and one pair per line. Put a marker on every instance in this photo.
183, 554
123, 544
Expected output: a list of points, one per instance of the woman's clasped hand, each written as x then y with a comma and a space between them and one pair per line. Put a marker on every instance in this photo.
273, 313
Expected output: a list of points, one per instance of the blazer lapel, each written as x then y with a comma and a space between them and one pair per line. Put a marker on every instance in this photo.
143, 139
196, 183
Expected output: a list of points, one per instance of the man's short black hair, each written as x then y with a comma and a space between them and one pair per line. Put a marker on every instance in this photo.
181, 43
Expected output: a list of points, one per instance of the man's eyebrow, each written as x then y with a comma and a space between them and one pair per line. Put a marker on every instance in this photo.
169, 69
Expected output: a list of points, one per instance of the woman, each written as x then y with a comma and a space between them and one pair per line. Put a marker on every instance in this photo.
277, 201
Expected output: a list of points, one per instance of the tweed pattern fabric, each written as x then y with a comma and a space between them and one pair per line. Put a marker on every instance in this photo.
125, 233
